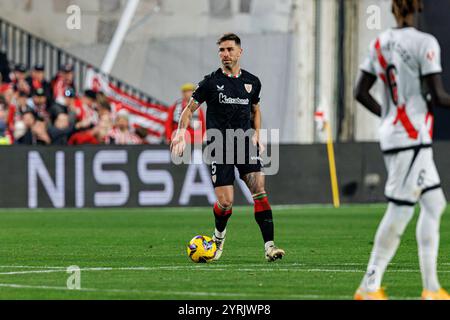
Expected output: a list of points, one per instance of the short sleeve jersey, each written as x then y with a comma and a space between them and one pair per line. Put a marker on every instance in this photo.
229, 99
400, 58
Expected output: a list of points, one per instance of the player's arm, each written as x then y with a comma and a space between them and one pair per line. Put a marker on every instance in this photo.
186, 116
256, 124
256, 118
362, 94
435, 86
178, 144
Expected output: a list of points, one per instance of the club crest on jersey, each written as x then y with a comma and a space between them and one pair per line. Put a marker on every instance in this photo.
248, 87
220, 88
431, 55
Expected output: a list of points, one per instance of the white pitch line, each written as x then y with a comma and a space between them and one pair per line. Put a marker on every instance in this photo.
182, 293
214, 269
31, 271
259, 265
191, 266
31, 267
187, 293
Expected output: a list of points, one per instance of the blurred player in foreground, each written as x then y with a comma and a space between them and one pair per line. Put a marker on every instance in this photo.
408, 62
232, 96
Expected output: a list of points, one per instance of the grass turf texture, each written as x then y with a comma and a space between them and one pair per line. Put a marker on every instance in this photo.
141, 254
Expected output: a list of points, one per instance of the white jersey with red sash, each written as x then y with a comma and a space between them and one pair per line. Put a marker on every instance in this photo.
399, 58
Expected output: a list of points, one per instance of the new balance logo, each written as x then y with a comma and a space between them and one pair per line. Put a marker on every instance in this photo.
220, 88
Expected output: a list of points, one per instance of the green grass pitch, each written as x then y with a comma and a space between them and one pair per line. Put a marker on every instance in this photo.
140, 254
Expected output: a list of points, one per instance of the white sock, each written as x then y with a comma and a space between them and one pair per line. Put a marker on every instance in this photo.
432, 206
387, 240
268, 244
220, 235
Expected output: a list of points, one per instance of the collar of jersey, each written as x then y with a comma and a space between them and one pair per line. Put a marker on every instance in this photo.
232, 76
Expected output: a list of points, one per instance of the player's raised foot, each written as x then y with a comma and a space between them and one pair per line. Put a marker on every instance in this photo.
367, 295
441, 294
219, 245
273, 253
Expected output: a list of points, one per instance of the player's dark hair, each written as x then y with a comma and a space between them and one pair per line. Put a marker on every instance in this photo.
406, 7
229, 37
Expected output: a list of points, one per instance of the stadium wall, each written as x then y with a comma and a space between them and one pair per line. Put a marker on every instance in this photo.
143, 176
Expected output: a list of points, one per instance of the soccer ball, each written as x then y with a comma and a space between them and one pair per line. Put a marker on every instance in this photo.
201, 249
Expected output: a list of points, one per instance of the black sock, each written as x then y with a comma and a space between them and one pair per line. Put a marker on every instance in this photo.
265, 222
263, 216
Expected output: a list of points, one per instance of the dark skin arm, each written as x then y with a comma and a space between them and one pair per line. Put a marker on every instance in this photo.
362, 93
434, 85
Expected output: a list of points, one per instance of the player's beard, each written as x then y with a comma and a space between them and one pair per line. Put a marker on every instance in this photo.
228, 66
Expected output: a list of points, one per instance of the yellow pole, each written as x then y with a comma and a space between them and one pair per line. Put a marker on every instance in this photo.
332, 165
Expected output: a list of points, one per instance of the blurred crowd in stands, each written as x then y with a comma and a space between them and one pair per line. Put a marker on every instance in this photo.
34, 111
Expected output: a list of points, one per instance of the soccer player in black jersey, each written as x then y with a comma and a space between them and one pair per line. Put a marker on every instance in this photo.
232, 97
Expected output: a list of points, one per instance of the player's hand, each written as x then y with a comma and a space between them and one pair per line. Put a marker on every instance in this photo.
178, 145
256, 141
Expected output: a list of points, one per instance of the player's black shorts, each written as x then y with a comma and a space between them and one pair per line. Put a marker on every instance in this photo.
223, 173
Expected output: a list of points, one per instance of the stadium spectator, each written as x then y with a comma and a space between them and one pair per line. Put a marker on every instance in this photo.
4, 86
16, 111
103, 106
96, 135
89, 115
9, 101
4, 139
19, 79
38, 103
21, 104
71, 106
5, 135
103, 127
61, 131
24, 129
37, 81
34, 107
101, 97
197, 126
9, 95
63, 80
83, 137
121, 133
4, 67
40, 132
142, 133
34, 131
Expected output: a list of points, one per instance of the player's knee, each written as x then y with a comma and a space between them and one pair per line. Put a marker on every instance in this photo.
225, 199
226, 203
441, 202
434, 203
398, 217
440, 206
